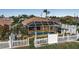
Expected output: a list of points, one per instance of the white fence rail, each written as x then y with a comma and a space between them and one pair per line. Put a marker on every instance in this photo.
60, 39
14, 43
4, 44
39, 42
20, 43
67, 38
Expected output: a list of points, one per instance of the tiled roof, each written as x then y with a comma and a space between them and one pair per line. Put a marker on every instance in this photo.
6, 21
39, 19
27, 21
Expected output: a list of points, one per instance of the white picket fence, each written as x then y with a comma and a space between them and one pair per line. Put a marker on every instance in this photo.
61, 39
18, 43
14, 44
37, 42
4, 45
67, 38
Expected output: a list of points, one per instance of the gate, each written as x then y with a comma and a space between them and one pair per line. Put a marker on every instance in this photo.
14, 42
18, 43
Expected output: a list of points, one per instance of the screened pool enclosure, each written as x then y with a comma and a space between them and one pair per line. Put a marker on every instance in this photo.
40, 29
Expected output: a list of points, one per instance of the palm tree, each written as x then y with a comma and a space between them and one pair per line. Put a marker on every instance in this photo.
46, 12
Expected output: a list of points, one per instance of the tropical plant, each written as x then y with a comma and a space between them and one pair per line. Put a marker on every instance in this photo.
46, 12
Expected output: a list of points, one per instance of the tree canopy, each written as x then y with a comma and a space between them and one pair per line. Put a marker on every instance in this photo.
68, 20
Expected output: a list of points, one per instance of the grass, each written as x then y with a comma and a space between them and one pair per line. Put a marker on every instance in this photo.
67, 45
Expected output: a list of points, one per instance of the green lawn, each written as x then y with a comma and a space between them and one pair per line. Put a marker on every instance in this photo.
67, 45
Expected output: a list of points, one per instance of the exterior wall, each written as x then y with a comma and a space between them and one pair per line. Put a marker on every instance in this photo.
69, 28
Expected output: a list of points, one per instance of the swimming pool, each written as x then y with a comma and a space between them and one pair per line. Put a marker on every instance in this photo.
42, 33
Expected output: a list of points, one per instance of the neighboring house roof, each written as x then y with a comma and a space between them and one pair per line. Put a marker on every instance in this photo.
6, 21
35, 19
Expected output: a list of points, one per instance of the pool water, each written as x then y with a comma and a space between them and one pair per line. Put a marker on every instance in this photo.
40, 33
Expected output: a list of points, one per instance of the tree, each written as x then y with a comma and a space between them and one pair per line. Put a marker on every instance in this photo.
24, 16
2, 16
31, 16
53, 17
19, 18
46, 12
68, 20
15, 19
4, 32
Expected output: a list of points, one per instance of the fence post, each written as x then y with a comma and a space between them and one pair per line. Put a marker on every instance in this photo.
63, 36
28, 41
11, 38
10, 42
68, 38
35, 39
77, 35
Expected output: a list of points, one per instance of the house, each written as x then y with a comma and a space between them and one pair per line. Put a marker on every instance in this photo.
48, 25
72, 29
40, 25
